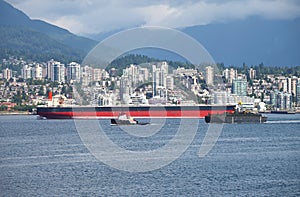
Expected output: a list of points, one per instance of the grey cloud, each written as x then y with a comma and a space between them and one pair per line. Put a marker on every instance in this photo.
93, 16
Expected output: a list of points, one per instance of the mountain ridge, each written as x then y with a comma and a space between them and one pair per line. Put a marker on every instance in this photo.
252, 41
63, 43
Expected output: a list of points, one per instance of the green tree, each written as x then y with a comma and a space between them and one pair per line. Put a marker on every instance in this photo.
41, 91
3, 107
17, 98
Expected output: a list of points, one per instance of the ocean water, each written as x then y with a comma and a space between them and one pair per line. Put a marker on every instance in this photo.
48, 158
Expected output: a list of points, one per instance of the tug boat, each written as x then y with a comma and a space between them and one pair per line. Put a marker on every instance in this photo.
124, 119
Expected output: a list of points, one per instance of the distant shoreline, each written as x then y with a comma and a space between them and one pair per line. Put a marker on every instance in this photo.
16, 113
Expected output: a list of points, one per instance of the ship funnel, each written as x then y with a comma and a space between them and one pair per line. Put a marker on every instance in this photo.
50, 96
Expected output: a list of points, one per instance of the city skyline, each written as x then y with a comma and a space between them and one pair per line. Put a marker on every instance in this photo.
157, 82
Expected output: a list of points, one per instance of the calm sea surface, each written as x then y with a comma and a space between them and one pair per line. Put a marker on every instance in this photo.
48, 158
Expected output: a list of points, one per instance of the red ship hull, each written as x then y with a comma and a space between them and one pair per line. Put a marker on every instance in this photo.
199, 111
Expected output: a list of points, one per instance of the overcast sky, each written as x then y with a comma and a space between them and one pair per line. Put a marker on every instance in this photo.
95, 16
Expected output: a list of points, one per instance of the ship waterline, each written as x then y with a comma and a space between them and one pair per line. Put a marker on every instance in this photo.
103, 112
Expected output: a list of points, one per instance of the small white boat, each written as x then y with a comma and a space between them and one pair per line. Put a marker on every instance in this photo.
124, 119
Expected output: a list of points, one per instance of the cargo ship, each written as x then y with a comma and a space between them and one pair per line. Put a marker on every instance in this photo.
57, 109
150, 111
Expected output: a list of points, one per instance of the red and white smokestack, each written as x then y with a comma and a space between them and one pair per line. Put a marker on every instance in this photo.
50, 95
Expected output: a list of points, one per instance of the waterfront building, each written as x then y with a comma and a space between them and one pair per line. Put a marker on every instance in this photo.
57, 72
143, 75
50, 63
298, 92
160, 73
7, 73
209, 75
230, 74
170, 82
273, 98
37, 72
26, 72
223, 97
252, 73
113, 72
100, 74
291, 85
105, 99
97, 74
282, 85
180, 71
131, 78
220, 97
73, 71
239, 87
125, 89
283, 101
34, 71
131, 73
138, 98
44, 72
86, 75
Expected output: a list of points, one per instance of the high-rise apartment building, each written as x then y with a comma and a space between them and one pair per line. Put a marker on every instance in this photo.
26, 72
283, 101
56, 71
230, 74
298, 92
209, 75
37, 72
86, 75
239, 87
7, 73
73, 71
159, 74
252, 73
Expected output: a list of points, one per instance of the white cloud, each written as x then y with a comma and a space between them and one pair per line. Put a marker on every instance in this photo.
94, 16
204, 13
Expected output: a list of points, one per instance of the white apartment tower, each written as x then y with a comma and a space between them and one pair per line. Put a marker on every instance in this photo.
209, 77
7, 73
73, 71
159, 74
131, 73
99, 74
252, 73
230, 74
26, 72
49, 68
37, 72
292, 85
170, 82
57, 71
143, 74
86, 75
